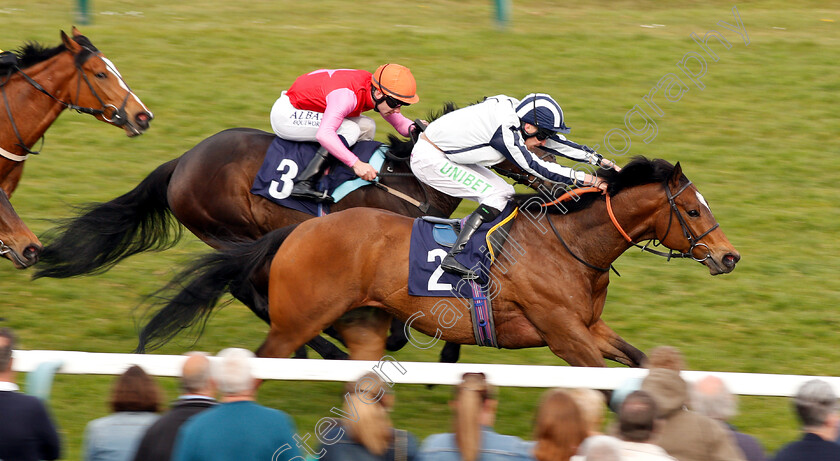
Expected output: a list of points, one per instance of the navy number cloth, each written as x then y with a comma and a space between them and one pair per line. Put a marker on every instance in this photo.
426, 278
284, 160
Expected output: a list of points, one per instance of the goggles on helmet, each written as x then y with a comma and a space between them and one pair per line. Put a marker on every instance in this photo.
394, 103
541, 134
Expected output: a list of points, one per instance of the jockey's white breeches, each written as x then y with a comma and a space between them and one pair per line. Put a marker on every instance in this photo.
472, 182
302, 125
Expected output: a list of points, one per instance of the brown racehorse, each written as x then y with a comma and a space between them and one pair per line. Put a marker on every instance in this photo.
552, 294
106, 233
44, 82
17, 242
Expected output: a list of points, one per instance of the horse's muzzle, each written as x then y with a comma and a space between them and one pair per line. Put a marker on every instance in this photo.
139, 124
26, 258
723, 265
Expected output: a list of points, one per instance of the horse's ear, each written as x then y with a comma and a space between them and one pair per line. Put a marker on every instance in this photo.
71, 45
76, 32
677, 174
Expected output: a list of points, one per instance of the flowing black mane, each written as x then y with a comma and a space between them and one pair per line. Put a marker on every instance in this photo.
636, 173
32, 53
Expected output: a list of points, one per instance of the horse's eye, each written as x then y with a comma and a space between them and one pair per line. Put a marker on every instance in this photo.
693, 213
101, 75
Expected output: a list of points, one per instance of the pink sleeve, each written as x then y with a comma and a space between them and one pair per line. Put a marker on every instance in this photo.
400, 122
340, 102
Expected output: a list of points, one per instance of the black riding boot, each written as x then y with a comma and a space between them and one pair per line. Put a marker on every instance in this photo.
304, 186
480, 216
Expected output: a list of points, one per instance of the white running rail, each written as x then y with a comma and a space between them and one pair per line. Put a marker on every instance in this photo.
543, 376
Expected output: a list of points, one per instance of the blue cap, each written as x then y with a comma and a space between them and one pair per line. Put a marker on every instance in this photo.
542, 111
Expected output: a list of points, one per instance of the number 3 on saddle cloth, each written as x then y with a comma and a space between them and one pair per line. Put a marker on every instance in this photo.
431, 239
284, 160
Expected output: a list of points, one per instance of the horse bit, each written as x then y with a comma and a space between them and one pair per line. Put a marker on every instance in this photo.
6, 249
118, 117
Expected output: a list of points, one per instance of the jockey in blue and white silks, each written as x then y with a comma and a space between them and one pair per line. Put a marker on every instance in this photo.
455, 151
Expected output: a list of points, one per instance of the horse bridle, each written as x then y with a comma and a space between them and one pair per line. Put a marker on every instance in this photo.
693, 240
118, 117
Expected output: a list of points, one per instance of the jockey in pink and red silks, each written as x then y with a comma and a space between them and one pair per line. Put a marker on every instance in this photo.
327, 103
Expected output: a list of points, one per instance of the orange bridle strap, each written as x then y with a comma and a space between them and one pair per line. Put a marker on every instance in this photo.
574, 193
615, 221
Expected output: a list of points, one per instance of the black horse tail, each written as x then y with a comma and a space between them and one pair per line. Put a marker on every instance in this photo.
200, 286
106, 233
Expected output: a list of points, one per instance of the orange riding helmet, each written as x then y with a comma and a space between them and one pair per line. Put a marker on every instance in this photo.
397, 82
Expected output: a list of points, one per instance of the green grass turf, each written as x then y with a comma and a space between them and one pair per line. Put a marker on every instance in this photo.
760, 141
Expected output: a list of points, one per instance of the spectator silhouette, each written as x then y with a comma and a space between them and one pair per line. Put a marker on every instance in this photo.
637, 425
198, 394
600, 448
559, 428
474, 413
135, 401
26, 430
685, 435
369, 435
816, 406
238, 428
711, 397
592, 404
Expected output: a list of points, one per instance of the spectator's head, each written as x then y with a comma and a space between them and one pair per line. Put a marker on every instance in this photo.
637, 417
135, 390
372, 426
666, 357
591, 404
711, 397
816, 406
195, 375
232, 372
559, 428
602, 448
474, 406
7, 345
372, 389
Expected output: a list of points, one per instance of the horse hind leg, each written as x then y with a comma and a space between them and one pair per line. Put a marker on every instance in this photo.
290, 333
257, 301
614, 347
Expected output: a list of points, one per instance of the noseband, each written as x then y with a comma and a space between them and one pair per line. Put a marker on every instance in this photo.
118, 117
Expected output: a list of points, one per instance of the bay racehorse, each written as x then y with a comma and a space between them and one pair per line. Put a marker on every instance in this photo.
552, 293
140, 220
37, 83
17, 242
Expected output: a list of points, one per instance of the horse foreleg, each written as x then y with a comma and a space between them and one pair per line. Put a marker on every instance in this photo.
614, 347
567, 337
397, 339
326, 349
450, 353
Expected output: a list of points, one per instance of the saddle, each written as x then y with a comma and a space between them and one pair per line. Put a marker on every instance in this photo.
446, 230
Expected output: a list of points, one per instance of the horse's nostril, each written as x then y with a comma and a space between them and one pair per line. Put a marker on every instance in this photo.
143, 119
730, 260
31, 252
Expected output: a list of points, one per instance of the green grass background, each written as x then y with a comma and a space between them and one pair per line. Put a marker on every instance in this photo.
760, 141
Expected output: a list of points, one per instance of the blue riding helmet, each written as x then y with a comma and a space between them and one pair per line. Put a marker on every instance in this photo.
542, 111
